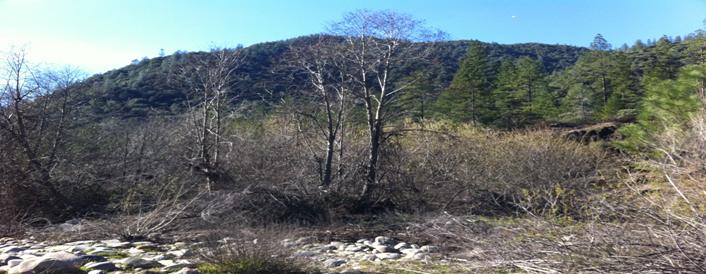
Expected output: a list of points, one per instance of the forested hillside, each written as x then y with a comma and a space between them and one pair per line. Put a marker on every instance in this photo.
525, 83
145, 87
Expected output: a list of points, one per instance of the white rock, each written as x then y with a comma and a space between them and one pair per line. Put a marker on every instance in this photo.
135, 250
369, 258
13, 262
12, 249
383, 240
401, 245
383, 248
105, 266
88, 242
410, 251
416, 257
137, 262
6, 257
429, 249
387, 256
176, 267
180, 253
44, 265
353, 248
117, 244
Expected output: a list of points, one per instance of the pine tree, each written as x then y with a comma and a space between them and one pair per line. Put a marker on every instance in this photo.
665, 61
467, 98
577, 106
696, 48
417, 99
668, 105
600, 43
507, 105
531, 80
605, 79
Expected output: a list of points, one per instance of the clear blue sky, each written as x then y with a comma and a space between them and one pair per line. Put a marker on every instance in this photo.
99, 35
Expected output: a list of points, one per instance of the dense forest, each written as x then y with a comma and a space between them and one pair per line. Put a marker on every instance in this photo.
466, 146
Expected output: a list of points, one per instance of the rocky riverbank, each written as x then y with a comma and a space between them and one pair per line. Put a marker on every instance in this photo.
24, 256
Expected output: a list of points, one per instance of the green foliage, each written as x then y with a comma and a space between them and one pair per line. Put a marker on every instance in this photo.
597, 87
696, 48
417, 100
520, 96
467, 98
668, 105
600, 43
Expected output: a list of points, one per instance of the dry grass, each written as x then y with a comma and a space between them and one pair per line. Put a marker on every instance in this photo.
250, 251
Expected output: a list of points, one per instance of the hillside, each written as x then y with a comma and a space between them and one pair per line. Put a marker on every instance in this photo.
138, 89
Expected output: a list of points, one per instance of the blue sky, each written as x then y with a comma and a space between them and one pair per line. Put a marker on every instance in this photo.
98, 35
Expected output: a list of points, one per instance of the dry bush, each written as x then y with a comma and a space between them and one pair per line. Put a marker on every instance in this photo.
469, 170
672, 204
267, 153
11, 214
263, 206
250, 251
657, 223
158, 216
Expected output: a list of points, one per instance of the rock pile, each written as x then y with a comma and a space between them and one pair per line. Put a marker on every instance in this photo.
336, 254
94, 257
117, 257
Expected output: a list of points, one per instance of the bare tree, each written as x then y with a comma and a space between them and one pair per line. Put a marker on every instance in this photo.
209, 76
377, 42
328, 87
35, 109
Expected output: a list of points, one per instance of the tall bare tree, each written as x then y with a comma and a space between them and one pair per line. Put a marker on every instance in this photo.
35, 109
328, 87
209, 76
377, 42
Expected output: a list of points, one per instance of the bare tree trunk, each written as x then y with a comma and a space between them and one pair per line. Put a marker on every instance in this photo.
327, 86
371, 179
210, 75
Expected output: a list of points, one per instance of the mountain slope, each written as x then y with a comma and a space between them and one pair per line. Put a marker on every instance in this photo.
147, 87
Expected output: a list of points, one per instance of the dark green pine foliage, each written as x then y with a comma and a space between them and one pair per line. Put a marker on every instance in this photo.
520, 95
667, 60
600, 86
533, 90
468, 97
418, 97
600, 43
507, 112
625, 93
696, 48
